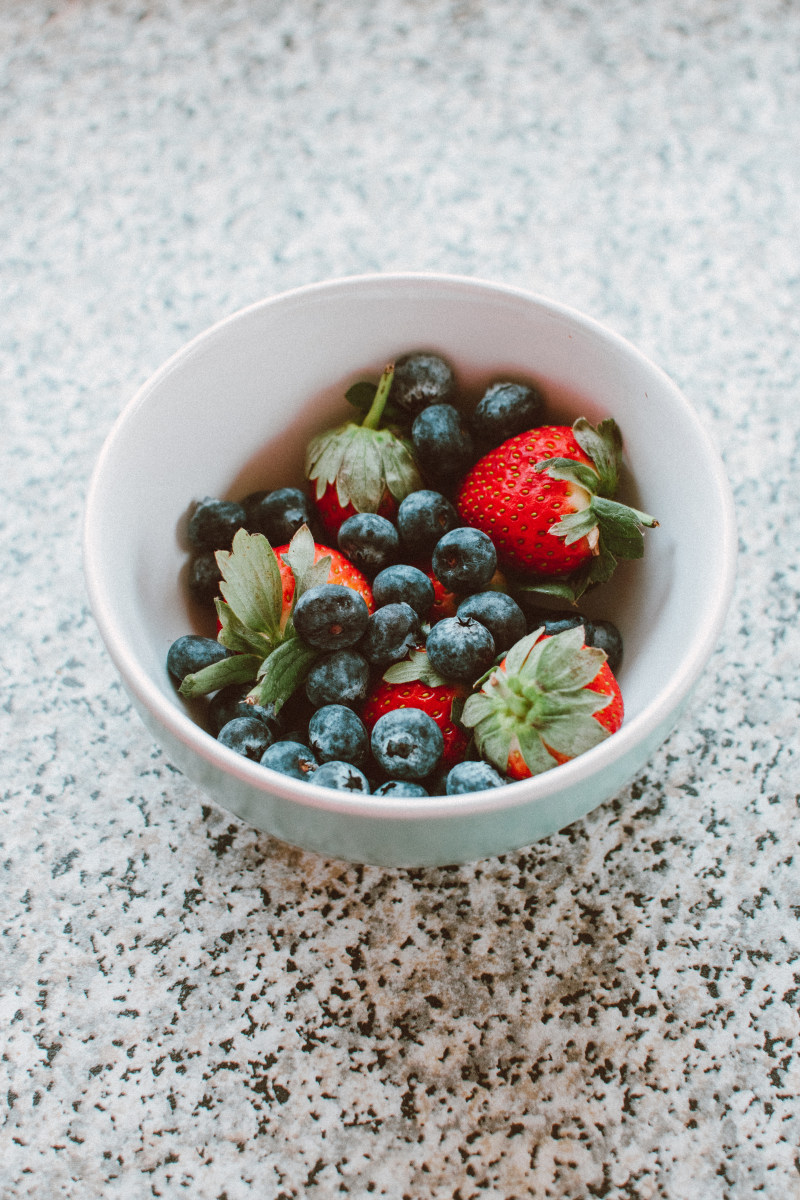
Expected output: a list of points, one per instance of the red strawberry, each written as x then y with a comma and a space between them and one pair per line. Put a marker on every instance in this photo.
550, 699
544, 498
399, 688
341, 571
360, 467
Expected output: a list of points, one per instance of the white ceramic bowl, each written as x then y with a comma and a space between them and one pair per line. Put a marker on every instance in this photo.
232, 411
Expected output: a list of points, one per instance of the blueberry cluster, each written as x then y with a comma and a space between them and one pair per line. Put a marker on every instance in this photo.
278, 514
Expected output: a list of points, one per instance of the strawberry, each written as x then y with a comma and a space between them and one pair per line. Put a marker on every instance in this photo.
259, 592
412, 684
549, 700
341, 570
545, 499
359, 467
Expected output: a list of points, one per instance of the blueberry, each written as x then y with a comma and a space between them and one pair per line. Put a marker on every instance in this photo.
247, 736
290, 758
505, 410
421, 379
501, 615
214, 522
204, 577
464, 560
342, 776
404, 583
472, 777
331, 616
400, 787
191, 653
339, 678
460, 648
370, 542
606, 636
392, 631
552, 620
443, 445
230, 702
407, 743
422, 518
279, 514
335, 732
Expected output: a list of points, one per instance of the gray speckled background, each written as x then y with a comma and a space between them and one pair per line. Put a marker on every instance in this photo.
188, 1008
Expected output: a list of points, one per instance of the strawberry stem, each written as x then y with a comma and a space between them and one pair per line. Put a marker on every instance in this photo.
373, 418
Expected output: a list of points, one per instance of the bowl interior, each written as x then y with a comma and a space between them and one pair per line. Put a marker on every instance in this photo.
233, 410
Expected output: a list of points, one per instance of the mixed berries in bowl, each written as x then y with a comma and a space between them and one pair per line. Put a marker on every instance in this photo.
318, 645
421, 517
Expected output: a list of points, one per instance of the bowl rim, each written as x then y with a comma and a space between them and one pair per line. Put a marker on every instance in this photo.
309, 795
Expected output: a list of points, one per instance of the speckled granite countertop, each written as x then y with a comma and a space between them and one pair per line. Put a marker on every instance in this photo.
191, 1009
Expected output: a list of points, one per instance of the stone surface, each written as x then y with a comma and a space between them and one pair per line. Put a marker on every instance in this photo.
190, 1008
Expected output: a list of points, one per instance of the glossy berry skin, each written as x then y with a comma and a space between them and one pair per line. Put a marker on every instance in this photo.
191, 653
552, 620
333, 514
407, 743
504, 496
464, 560
335, 732
229, 702
290, 758
391, 633
369, 541
501, 615
214, 522
339, 678
443, 445
399, 788
436, 701
505, 410
605, 635
247, 736
422, 379
280, 513
342, 777
460, 649
406, 584
422, 518
330, 617
204, 577
472, 777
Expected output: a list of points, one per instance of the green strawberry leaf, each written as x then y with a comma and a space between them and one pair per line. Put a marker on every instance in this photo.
300, 557
603, 445
416, 667
361, 477
399, 468
239, 668
536, 755
563, 664
575, 525
252, 582
574, 733
236, 636
324, 454
570, 471
283, 672
362, 395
